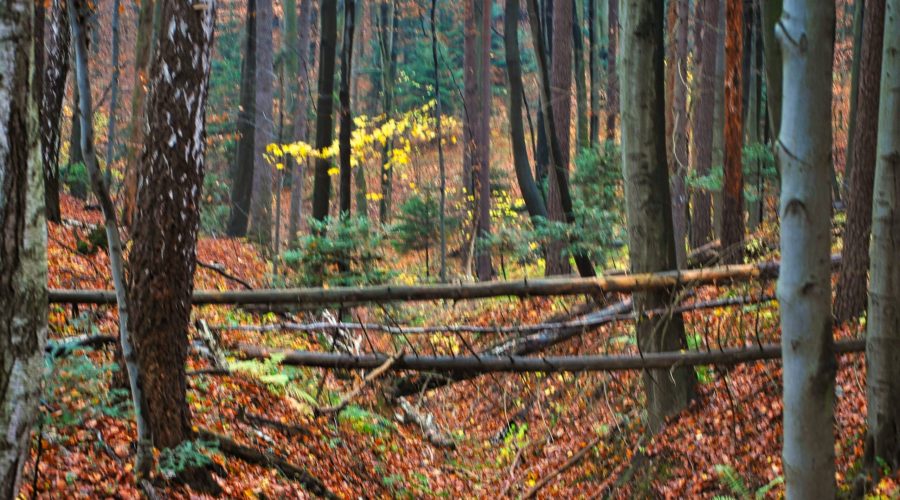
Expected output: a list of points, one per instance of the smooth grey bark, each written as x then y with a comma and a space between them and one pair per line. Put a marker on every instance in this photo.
883, 326
298, 91
144, 456
242, 171
23, 246
647, 199
806, 32
261, 197
113, 95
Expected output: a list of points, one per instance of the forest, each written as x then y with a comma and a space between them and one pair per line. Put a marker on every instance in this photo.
433, 249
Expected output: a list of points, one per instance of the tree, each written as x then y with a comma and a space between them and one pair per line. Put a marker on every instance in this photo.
324, 107
612, 86
23, 247
56, 64
883, 325
242, 172
440, 146
482, 163
702, 127
771, 12
733, 177
163, 258
387, 18
264, 125
582, 102
298, 77
113, 94
806, 32
676, 122
598, 40
346, 169
648, 202
850, 300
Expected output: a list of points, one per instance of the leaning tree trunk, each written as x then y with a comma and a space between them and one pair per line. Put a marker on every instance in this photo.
850, 300
163, 257
702, 127
806, 31
648, 203
883, 333
264, 124
325, 107
242, 171
346, 169
298, 74
733, 176
56, 63
23, 247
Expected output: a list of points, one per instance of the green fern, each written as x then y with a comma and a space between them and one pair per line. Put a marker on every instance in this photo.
732, 480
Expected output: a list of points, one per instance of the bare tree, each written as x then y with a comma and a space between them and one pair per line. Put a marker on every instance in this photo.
702, 128
346, 169
733, 174
264, 127
325, 107
298, 68
56, 64
242, 171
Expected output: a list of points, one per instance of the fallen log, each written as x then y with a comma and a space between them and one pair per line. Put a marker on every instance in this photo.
485, 364
461, 291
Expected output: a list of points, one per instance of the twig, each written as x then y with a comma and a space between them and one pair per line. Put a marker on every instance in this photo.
220, 269
377, 372
566, 466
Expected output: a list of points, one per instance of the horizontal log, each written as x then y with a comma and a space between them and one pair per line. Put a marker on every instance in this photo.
484, 364
458, 291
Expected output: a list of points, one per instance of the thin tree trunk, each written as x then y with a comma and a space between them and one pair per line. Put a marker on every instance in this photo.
325, 107
612, 88
850, 300
733, 175
582, 103
143, 457
703, 122
113, 95
356, 104
388, 17
676, 123
261, 197
440, 145
883, 331
483, 268
859, 16
719, 120
242, 172
806, 31
299, 74
346, 169
54, 90
648, 203
23, 247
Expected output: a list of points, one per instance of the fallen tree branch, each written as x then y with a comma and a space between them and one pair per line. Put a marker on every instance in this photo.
426, 423
377, 372
462, 291
286, 429
62, 348
577, 457
220, 269
253, 456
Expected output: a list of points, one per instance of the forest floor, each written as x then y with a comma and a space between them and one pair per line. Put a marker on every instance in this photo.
509, 432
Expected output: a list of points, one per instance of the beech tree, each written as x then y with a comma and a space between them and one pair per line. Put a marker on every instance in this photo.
23, 246
163, 259
647, 199
806, 31
883, 324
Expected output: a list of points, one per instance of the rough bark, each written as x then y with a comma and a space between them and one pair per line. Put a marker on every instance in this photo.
733, 174
702, 127
325, 107
806, 32
163, 259
676, 122
850, 300
264, 124
23, 247
56, 64
883, 331
648, 202
346, 169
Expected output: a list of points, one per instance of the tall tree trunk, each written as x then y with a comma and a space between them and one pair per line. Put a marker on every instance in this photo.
113, 95
242, 171
388, 18
883, 380
357, 105
702, 127
719, 120
753, 113
325, 107
582, 127
264, 120
557, 261
647, 200
171, 180
612, 86
733, 175
558, 169
598, 45
143, 456
534, 201
346, 170
440, 146
771, 12
859, 15
676, 123
806, 31
143, 44
51, 99
299, 75
23, 247
482, 166
850, 300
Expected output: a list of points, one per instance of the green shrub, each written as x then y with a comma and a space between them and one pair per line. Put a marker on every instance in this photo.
75, 177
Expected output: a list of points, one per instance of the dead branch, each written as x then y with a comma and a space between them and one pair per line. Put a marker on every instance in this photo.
426, 423
220, 269
577, 457
377, 372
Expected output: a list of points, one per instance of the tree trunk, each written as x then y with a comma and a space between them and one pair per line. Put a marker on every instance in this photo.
531, 194
582, 127
483, 268
612, 88
440, 145
598, 46
703, 122
733, 175
859, 15
143, 47
242, 172
771, 12
676, 123
264, 124
357, 105
23, 248
171, 180
325, 107
557, 261
299, 76
753, 114
346, 169
388, 17
883, 332
719, 120
648, 203
806, 31
850, 300
113, 95
56, 68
